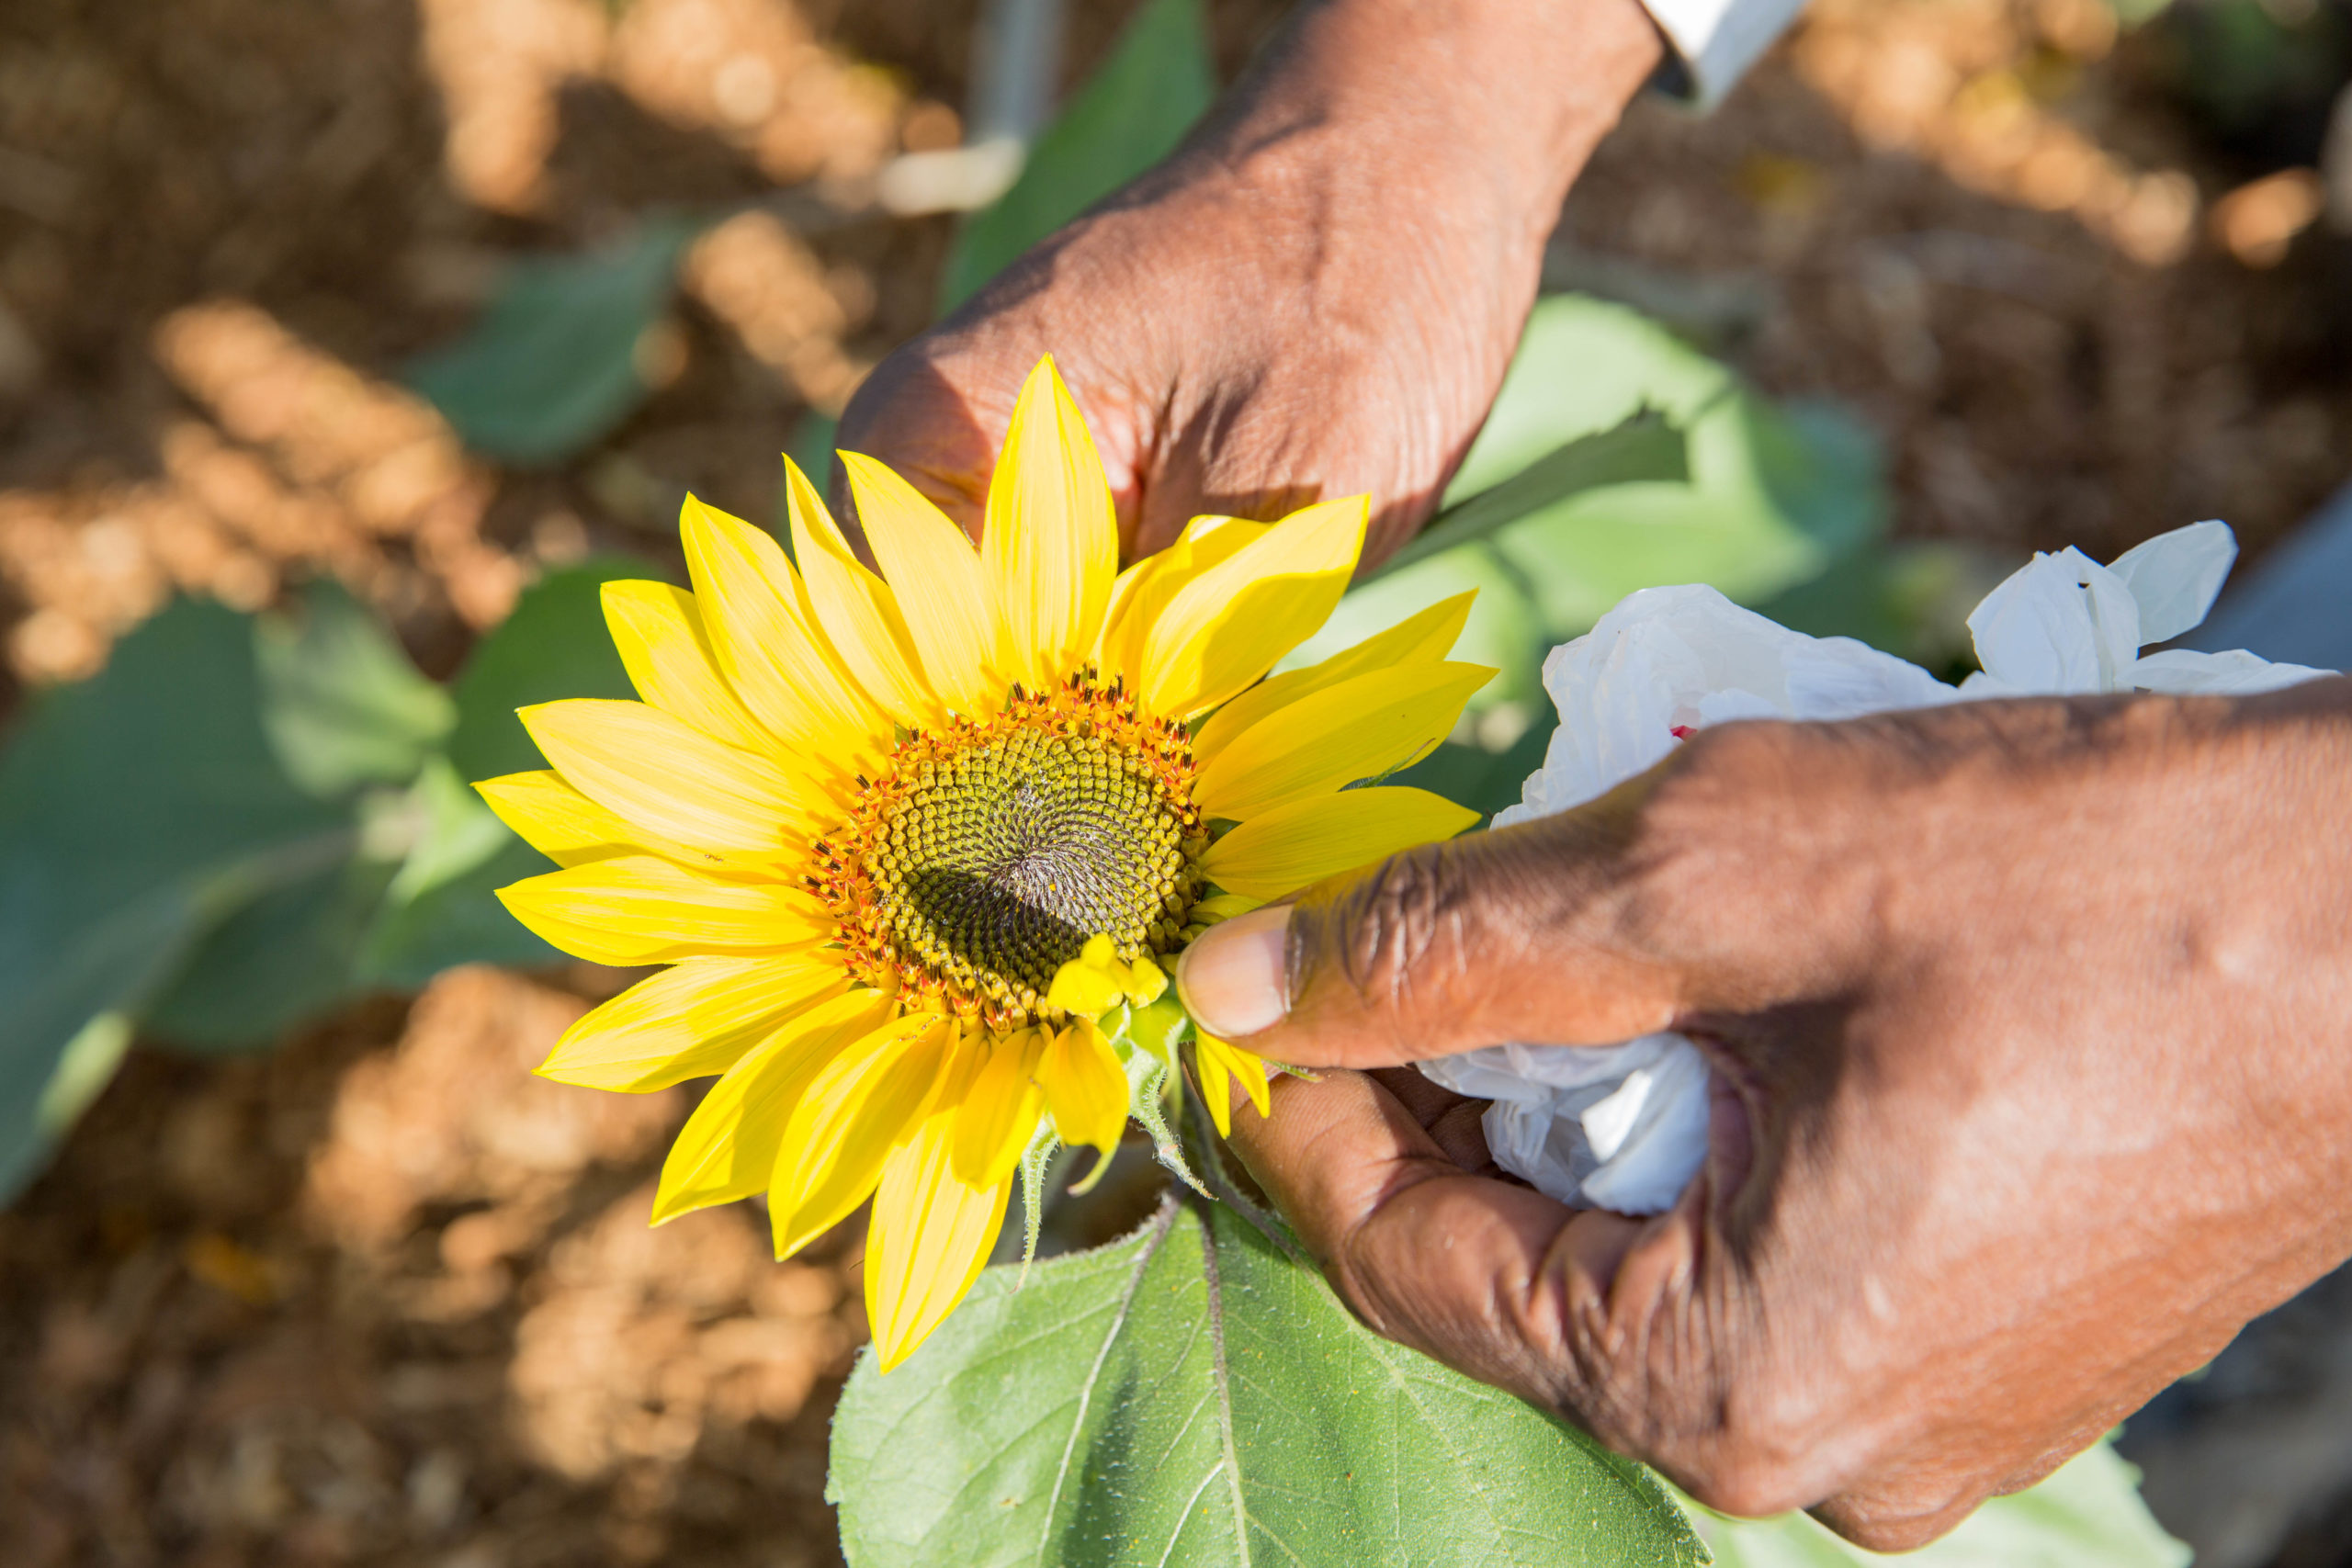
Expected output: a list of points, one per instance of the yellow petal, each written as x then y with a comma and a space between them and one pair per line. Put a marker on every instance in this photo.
1284, 850
663, 776
668, 655
1050, 546
1001, 1108
931, 1234
749, 599
1223, 906
640, 910
1362, 729
1144, 590
1084, 1087
692, 1020
561, 823
728, 1148
1421, 639
1087, 985
865, 1101
1146, 981
936, 574
855, 609
1218, 1062
1227, 625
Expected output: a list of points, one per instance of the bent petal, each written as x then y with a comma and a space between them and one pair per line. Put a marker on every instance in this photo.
1050, 546
665, 776
855, 609
728, 1148
1307, 841
931, 1232
1084, 1087
659, 634
2175, 577
1362, 729
690, 1021
1425, 638
1222, 1064
936, 574
864, 1102
1227, 627
1144, 590
640, 910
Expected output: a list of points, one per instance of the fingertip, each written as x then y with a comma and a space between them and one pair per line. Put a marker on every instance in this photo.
1234, 980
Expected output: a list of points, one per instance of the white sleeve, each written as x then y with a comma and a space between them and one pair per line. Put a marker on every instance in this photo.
1718, 40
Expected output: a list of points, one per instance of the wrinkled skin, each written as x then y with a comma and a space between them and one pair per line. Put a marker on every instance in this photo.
1316, 297
2033, 1030
2032, 1017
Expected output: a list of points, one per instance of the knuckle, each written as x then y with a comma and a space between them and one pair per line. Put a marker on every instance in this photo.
1378, 933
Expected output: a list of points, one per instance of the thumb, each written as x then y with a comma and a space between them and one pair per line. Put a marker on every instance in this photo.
1519, 935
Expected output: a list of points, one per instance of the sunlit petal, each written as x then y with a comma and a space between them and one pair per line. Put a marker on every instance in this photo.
1362, 729
1289, 847
1084, 1087
930, 1234
1421, 639
563, 823
867, 1099
1227, 625
855, 609
640, 909
668, 777
659, 634
934, 571
692, 1020
1050, 546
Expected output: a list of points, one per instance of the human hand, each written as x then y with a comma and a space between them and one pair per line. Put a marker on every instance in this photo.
1316, 297
2032, 1027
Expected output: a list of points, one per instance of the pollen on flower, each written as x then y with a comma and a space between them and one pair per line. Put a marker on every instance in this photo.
988, 852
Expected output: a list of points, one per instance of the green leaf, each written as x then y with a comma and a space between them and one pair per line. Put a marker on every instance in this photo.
342, 704
1191, 1396
138, 810
553, 364
2087, 1514
1774, 497
554, 644
288, 957
1130, 115
1644, 448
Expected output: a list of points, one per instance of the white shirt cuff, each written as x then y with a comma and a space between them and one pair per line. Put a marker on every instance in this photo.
1719, 40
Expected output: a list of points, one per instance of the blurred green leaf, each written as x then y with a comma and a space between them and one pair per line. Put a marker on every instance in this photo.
288, 957
1130, 115
553, 366
342, 704
554, 644
138, 810
1191, 1395
2087, 1514
1774, 497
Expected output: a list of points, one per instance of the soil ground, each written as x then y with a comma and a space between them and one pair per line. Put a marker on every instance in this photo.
384, 1297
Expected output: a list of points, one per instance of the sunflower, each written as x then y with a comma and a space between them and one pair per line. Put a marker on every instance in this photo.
904, 841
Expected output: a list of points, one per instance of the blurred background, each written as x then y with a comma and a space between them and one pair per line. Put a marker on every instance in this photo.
346, 345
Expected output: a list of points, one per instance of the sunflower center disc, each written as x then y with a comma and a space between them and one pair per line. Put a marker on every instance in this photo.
1025, 848
992, 851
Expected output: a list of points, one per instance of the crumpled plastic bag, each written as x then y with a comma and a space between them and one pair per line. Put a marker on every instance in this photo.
1624, 1127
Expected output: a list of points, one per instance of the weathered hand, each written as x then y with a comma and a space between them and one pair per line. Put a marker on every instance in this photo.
1316, 297
2032, 1024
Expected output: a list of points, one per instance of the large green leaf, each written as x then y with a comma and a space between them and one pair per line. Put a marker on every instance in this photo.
341, 703
553, 364
1774, 497
442, 908
1192, 1396
2087, 1514
1130, 115
138, 810
554, 644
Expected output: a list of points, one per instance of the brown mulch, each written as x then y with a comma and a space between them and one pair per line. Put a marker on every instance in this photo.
385, 1298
